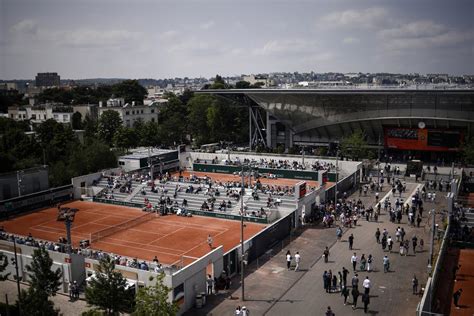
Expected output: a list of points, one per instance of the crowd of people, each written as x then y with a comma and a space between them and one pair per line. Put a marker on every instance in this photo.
83, 249
271, 163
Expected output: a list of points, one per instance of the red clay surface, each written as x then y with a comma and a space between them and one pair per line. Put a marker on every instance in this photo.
236, 178
465, 280
172, 238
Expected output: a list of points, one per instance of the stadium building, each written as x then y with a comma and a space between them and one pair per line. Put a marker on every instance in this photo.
428, 123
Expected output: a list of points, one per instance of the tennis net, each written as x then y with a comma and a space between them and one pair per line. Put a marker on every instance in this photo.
117, 228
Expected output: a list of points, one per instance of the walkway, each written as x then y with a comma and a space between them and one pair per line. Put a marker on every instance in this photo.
272, 290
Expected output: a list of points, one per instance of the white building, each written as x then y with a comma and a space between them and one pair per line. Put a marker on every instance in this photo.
131, 113
57, 111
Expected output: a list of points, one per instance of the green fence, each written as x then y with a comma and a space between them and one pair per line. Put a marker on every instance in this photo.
117, 202
200, 213
279, 173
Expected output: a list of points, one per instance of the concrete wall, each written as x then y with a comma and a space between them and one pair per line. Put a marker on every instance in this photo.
194, 276
24, 255
345, 167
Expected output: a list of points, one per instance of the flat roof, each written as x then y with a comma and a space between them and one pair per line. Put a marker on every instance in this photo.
338, 90
143, 153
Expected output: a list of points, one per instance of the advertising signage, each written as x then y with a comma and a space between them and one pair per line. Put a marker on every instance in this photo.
422, 139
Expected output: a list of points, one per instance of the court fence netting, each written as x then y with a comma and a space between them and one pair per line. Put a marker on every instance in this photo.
96, 236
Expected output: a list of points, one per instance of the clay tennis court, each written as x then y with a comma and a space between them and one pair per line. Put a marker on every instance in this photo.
236, 178
465, 280
174, 239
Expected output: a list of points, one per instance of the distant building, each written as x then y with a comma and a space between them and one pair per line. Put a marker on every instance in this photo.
131, 113
48, 79
57, 111
161, 159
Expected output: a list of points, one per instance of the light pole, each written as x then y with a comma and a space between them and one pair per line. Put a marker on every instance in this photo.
17, 275
335, 186
242, 235
19, 180
378, 166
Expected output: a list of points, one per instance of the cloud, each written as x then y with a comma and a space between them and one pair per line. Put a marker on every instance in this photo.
416, 29
169, 35
423, 35
351, 40
78, 38
25, 27
207, 25
287, 47
366, 18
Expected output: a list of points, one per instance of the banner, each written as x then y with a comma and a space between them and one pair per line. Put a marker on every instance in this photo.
422, 139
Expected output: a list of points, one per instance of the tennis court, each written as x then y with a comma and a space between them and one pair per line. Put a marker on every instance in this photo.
174, 239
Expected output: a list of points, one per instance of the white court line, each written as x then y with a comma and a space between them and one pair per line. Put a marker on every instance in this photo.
53, 232
204, 242
140, 248
138, 243
166, 235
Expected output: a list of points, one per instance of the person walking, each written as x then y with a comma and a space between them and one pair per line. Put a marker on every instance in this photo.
414, 283
297, 260
339, 233
377, 235
288, 260
414, 241
355, 281
390, 243
384, 243
339, 279
370, 259
354, 261
355, 296
456, 297
386, 264
329, 312
325, 281
334, 283
326, 254
71, 291
345, 272
351, 241
345, 293
210, 283
366, 285
366, 301
363, 262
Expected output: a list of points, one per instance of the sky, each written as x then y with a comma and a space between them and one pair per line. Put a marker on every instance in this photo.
201, 38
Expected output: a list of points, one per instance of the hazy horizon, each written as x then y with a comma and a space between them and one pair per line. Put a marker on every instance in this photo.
201, 38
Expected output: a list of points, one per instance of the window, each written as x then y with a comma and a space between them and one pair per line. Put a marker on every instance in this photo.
55, 116
133, 112
127, 113
153, 119
128, 123
65, 117
142, 111
121, 163
33, 116
152, 110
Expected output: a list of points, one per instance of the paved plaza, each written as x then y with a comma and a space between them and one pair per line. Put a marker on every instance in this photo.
272, 290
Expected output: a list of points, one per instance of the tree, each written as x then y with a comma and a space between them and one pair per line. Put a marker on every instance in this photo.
109, 123
198, 108
153, 300
90, 128
41, 277
172, 122
76, 120
43, 283
125, 138
242, 85
3, 266
149, 134
107, 290
354, 146
130, 90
